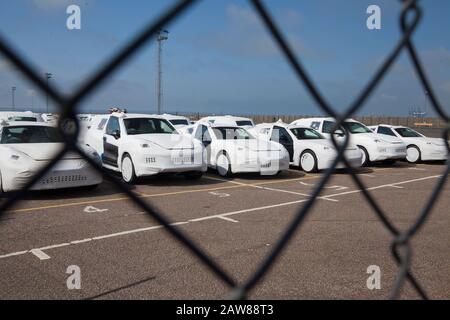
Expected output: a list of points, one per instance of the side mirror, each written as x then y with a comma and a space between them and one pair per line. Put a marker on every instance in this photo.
116, 134
339, 133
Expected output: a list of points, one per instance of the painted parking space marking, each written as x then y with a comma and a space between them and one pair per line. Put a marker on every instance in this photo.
108, 200
223, 216
228, 219
40, 254
219, 194
417, 169
92, 209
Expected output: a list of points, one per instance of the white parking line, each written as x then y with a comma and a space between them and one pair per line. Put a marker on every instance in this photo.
40, 254
224, 216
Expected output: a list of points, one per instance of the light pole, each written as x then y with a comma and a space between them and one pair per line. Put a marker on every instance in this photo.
48, 76
13, 93
162, 35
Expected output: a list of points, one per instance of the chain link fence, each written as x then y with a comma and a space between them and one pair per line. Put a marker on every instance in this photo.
409, 19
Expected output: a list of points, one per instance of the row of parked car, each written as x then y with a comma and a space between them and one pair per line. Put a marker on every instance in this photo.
138, 145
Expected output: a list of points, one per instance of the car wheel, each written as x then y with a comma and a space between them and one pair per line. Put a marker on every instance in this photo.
365, 157
223, 165
128, 174
193, 175
308, 161
413, 154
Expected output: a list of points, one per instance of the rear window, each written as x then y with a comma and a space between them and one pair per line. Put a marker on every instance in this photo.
30, 134
244, 123
179, 122
18, 118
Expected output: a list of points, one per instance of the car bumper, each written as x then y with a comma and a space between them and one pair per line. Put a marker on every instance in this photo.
65, 174
388, 153
148, 165
263, 166
434, 154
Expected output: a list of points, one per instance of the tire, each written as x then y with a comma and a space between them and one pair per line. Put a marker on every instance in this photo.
127, 169
365, 157
193, 175
413, 154
223, 165
308, 161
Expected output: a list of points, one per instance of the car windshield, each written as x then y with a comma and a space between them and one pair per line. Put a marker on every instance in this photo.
408, 133
356, 127
30, 134
19, 118
230, 133
306, 134
179, 122
244, 123
148, 126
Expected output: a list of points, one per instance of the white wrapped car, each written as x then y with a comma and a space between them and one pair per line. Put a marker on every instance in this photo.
140, 145
374, 147
26, 147
231, 149
419, 147
307, 148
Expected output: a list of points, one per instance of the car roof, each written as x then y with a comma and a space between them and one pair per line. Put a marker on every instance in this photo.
132, 115
227, 117
174, 117
216, 124
321, 119
25, 123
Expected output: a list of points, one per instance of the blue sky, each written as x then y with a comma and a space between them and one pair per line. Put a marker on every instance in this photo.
219, 57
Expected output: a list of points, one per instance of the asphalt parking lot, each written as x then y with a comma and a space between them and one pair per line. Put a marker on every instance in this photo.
124, 254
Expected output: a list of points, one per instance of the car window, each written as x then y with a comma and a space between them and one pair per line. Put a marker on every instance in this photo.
280, 134
408, 133
177, 122
19, 118
315, 125
356, 127
102, 123
306, 134
386, 131
30, 134
136, 126
328, 126
244, 123
231, 133
113, 125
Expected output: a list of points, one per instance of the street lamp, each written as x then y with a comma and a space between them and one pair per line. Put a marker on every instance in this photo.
48, 76
13, 92
162, 35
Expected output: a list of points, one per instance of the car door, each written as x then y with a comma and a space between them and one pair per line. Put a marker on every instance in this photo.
204, 136
282, 136
111, 139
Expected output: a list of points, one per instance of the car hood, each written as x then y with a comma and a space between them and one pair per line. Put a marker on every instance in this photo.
168, 141
41, 151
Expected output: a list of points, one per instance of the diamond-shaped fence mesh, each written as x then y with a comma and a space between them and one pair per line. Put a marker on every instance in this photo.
409, 19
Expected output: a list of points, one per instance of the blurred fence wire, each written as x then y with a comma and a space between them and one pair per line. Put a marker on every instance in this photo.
409, 20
